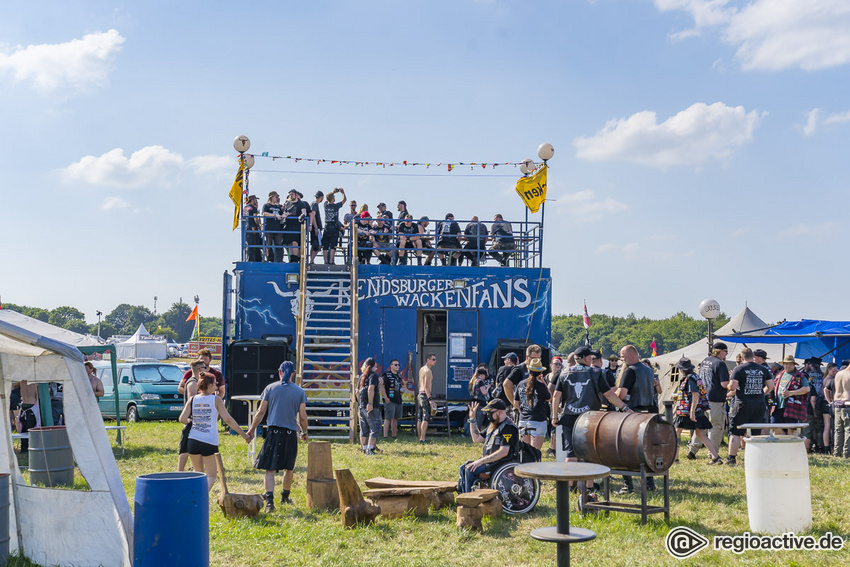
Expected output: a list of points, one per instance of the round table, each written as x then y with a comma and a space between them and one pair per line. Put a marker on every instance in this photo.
563, 474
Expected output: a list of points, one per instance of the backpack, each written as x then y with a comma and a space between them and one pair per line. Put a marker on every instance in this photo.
528, 453
683, 406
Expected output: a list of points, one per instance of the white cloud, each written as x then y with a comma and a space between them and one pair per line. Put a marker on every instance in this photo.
806, 229
72, 66
815, 121
619, 249
772, 35
149, 166
693, 136
584, 206
114, 203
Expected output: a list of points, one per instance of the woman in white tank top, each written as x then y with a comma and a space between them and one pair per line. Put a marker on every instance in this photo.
203, 410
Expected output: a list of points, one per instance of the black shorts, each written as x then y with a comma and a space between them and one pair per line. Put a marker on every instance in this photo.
424, 412
279, 450
330, 237
195, 447
291, 232
184, 439
567, 423
741, 413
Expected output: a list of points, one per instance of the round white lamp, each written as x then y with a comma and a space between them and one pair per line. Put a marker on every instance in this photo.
545, 152
241, 144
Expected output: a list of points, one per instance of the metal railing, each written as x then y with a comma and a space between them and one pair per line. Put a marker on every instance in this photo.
393, 246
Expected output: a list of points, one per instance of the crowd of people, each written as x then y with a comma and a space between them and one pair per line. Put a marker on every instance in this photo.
712, 400
273, 232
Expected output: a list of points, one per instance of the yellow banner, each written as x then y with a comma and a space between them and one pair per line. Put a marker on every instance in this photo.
532, 189
236, 196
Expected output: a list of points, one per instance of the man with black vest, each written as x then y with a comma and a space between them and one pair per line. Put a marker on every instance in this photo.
637, 390
715, 376
580, 389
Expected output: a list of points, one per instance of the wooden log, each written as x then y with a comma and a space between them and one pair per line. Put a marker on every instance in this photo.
470, 517
493, 508
235, 505
322, 494
440, 485
445, 499
353, 507
319, 461
396, 506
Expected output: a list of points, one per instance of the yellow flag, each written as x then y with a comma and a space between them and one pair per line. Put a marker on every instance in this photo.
236, 196
532, 189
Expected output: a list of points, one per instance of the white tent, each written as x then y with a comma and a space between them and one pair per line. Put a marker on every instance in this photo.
746, 320
61, 526
142, 345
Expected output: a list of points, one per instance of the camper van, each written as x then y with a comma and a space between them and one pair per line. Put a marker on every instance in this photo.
145, 390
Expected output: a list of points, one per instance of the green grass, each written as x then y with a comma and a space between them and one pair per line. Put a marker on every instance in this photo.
709, 499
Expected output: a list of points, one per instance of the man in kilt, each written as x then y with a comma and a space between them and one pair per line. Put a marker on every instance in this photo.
286, 405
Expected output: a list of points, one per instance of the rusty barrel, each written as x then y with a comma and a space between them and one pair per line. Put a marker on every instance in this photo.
625, 441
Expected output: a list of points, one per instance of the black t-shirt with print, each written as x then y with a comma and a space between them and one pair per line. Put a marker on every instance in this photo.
332, 214
581, 390
534, 409
392, 386
371, 380
272, 223
751, 378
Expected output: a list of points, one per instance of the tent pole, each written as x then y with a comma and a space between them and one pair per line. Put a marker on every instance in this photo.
13, 461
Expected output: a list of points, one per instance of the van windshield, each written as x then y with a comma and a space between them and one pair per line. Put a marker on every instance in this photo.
153, 373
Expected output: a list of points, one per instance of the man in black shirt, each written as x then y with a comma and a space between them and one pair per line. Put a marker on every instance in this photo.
253, 237
501, 442
294, 212
330, 236
272, 226
637, 389
315, 226
448, 239
751, 382
476, 241
507, 379
382, 210
391, 393
407, 236
715, 376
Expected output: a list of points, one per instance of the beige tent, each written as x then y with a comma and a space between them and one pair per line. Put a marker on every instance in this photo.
746, 320
57, 526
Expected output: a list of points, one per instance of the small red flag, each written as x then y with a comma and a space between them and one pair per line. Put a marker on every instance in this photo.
586, 318
193, 316
652, 346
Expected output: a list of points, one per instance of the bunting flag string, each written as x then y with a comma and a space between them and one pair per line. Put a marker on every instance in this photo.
450, 166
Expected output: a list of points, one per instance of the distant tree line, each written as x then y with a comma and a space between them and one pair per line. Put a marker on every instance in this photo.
610, 334
125, 319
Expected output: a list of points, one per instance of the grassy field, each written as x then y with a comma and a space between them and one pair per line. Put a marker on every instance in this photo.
709, 499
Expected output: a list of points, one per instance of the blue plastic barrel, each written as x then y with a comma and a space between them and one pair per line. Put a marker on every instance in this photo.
172, 520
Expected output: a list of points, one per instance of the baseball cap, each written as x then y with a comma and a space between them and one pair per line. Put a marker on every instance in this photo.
582, 352
760, 352
511, 356
720, 346
495, 405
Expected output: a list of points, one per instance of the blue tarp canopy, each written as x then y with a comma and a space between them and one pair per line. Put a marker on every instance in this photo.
828, 340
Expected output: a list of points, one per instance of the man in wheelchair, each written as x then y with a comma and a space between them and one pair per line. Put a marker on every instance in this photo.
501, 443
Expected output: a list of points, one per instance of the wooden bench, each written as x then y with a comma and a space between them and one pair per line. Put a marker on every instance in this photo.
473, 506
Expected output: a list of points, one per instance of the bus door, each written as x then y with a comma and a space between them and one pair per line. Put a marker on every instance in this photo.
461, 352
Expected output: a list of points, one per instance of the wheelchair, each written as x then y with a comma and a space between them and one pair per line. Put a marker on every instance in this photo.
519, 495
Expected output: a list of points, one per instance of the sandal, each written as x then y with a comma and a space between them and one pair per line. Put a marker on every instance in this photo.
718, 460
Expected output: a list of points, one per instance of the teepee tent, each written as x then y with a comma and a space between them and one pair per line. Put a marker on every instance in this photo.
744, 321
142, 345
62, 526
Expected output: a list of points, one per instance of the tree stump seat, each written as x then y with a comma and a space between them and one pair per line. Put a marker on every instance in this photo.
396, 502
440, 492
474, 506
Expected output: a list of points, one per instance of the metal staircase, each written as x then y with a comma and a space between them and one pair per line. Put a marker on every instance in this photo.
327, 339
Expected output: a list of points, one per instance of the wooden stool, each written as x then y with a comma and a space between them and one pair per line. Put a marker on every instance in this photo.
322, 491
396, 502
440, 495
473, 506
355, 509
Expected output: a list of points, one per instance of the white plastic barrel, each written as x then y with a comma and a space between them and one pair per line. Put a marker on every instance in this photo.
779, 498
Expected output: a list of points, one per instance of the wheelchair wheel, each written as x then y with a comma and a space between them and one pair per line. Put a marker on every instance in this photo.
519, 495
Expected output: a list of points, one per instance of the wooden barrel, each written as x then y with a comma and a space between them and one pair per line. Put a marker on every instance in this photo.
624, 441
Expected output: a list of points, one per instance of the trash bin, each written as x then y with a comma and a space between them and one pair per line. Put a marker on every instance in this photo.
51, 461
172, 519
779, 498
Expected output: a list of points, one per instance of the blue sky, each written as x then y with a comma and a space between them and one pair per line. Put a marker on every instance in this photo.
700, 145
